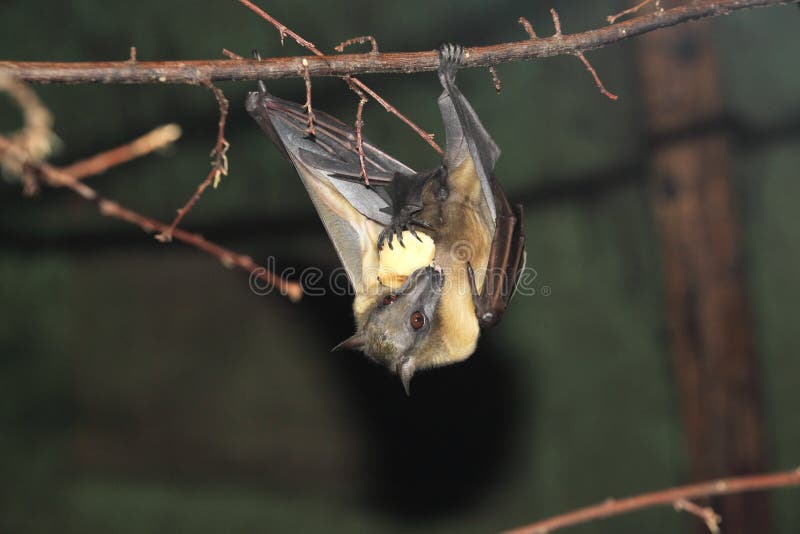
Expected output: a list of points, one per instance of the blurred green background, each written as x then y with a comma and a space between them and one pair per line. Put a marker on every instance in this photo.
145, 388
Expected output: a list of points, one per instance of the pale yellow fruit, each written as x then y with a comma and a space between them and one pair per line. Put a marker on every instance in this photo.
396, 263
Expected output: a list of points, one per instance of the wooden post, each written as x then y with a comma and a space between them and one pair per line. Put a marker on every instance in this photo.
708, 312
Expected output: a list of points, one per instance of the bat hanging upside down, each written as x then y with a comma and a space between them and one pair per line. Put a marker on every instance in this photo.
433, 256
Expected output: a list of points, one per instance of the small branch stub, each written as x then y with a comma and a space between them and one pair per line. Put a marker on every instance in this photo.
358, 40
556, 22
632, 10
711, 519
498, 85
528, 28
231, 55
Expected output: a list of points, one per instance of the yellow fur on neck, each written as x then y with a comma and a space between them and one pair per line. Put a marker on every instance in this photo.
467, 240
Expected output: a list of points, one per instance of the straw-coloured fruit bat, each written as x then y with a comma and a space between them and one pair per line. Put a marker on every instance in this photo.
433, 256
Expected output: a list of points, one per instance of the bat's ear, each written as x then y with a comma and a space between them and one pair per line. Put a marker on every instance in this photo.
354, 342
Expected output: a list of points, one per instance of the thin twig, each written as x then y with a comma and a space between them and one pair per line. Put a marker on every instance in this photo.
707, 514
428, 137
99, 163
282, 30
360, 139
612, 507
231, 55
220, 150
597, 80
358, 40
219, 166
347, 78
362, 99
309, 109
635, 9
132, 55
579, 55
498, 85
166, 235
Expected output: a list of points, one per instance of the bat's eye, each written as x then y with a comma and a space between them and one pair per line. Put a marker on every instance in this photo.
417, 320
388, 299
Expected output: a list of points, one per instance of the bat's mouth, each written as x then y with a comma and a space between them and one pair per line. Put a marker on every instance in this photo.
430, 277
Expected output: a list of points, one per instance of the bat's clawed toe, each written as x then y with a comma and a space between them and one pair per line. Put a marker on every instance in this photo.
383, 241
386, 237
402, 223
451, 57
424, 224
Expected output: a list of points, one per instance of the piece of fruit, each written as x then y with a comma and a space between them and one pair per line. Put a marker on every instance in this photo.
397, 263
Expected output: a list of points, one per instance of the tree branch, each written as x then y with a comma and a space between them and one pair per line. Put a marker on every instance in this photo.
21, 154
55, 177
194, 72
669, 497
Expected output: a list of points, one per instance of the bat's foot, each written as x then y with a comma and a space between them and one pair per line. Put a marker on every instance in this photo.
451, 58
407, 192
404, 221
262, 87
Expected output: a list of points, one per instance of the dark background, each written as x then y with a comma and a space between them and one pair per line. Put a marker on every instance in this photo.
145, 388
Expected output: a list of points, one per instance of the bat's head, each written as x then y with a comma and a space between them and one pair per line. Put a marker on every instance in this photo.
399, 323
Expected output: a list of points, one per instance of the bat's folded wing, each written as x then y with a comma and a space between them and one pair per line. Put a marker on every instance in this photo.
330, 168
331, 151
466, 137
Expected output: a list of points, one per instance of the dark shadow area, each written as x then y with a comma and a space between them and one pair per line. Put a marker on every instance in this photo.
444, 448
